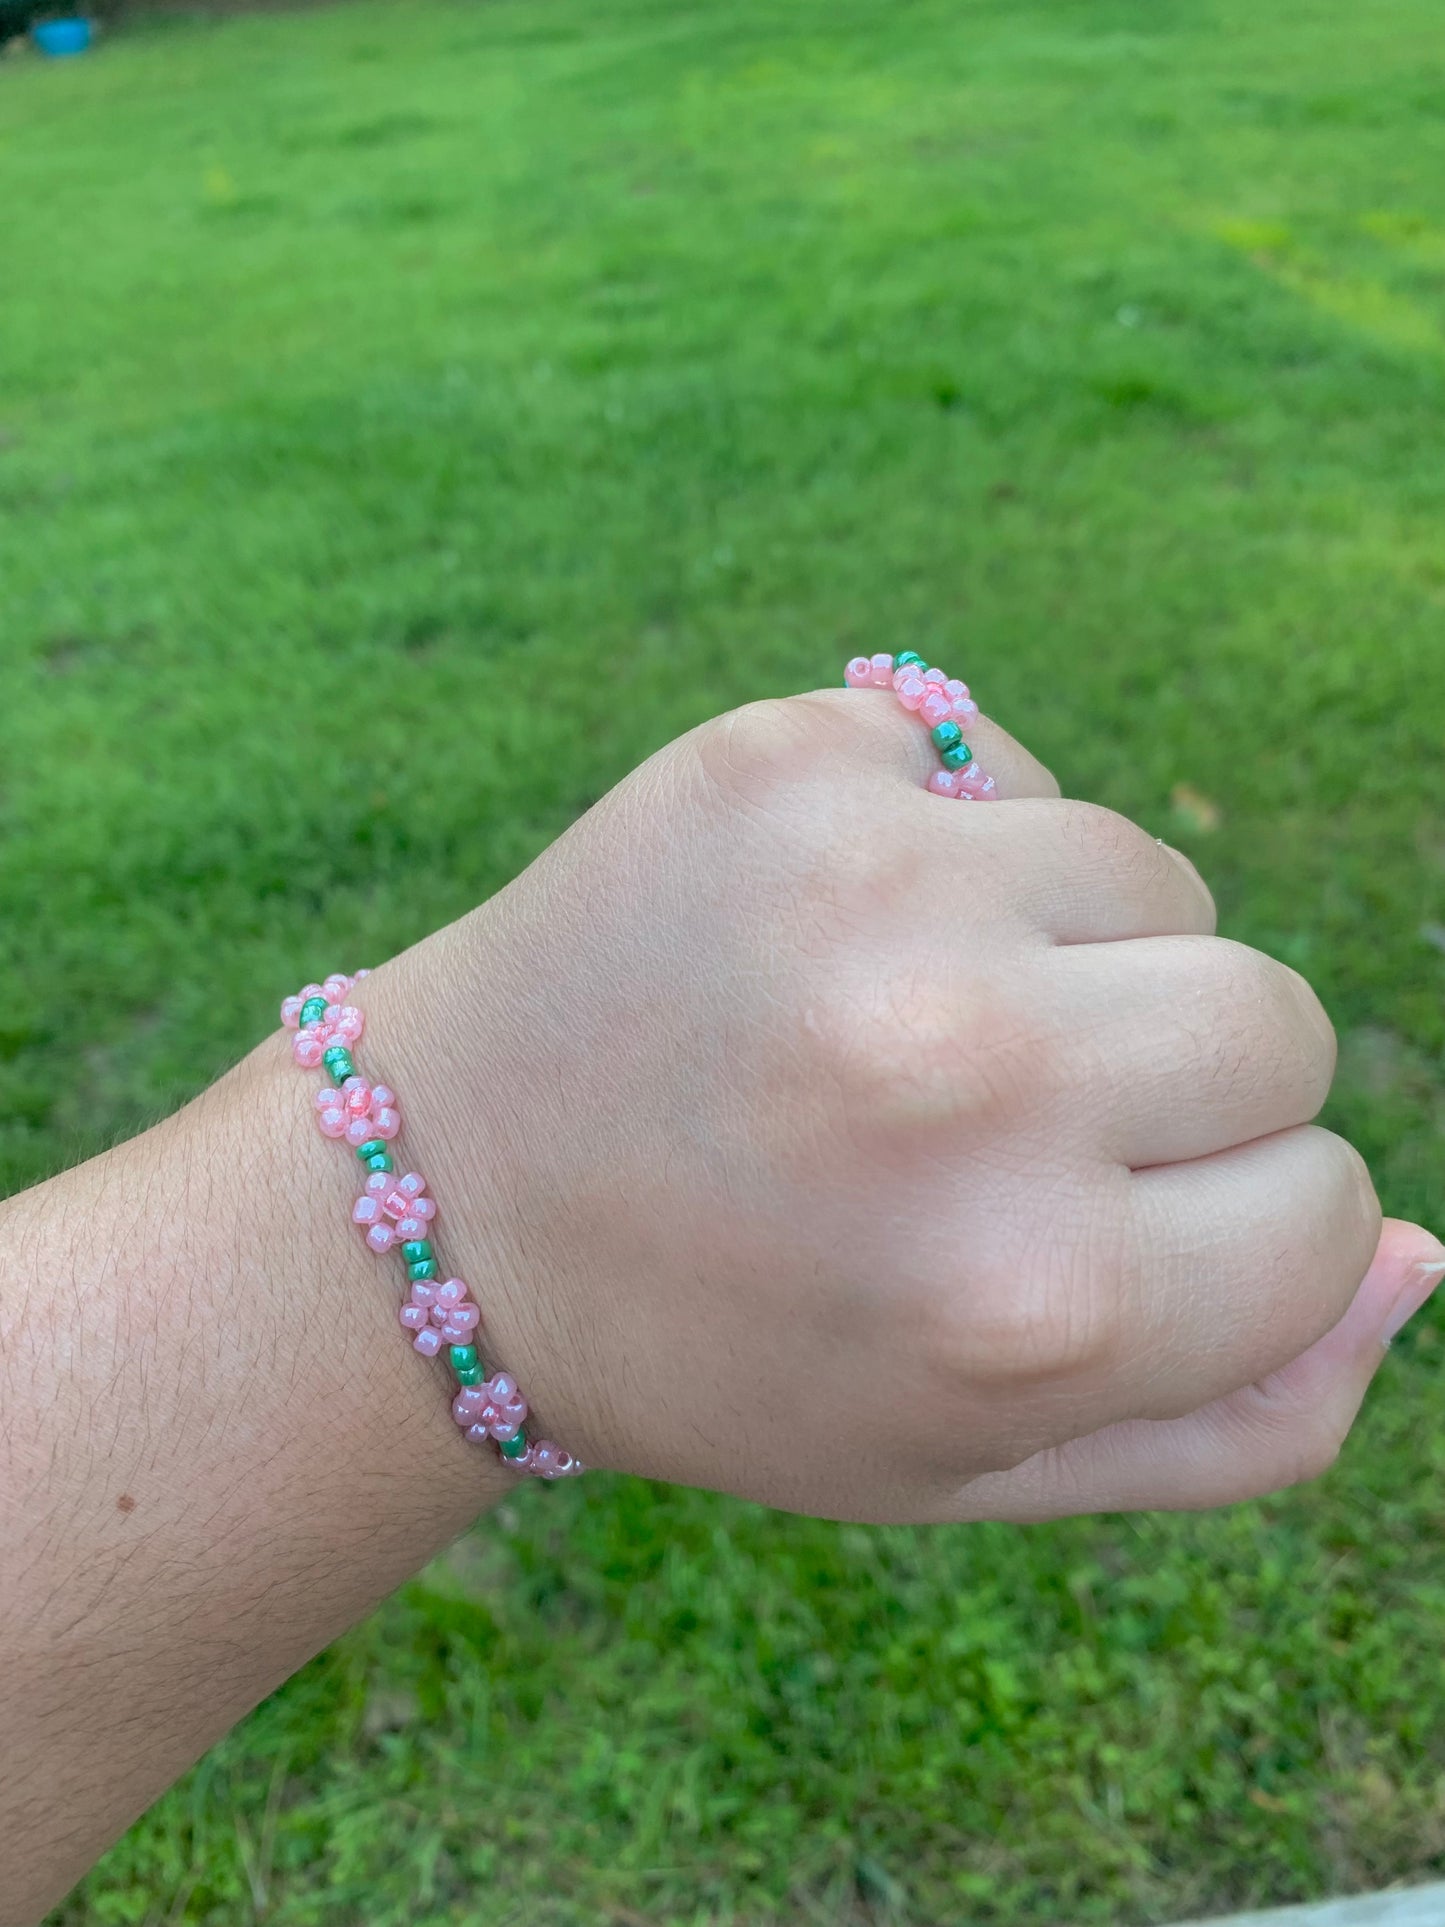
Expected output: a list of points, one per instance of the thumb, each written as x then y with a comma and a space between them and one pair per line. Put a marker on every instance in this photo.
1287, 1427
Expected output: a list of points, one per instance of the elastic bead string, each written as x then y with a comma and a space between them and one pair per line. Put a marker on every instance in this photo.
944, 705
395, 1212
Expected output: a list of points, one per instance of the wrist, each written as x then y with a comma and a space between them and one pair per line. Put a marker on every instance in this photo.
442, 1031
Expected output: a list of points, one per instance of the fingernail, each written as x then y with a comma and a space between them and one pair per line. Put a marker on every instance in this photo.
1420, 1281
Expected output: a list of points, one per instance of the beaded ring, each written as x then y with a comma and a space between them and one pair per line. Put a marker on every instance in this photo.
944, 704
394, 1211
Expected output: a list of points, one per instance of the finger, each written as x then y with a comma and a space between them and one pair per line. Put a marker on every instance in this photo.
1080, 874
872, 726
1233, 1265
1285, 1427
1189, 1045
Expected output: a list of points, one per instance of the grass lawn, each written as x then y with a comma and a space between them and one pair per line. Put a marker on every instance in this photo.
370, 378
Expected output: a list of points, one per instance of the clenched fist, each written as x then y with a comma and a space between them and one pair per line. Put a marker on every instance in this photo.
815, 1138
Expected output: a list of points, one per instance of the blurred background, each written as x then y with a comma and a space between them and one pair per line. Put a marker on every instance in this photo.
413, 414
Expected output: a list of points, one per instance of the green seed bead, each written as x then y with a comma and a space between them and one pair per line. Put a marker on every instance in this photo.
464, 1358
514, 1448
415, 1249
947, 736
372, 1148
312, 1011
471, 1375
910, 659
422, 1268
338, 1064
381, 1162
959, 757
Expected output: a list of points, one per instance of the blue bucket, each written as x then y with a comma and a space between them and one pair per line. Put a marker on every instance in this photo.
58, 37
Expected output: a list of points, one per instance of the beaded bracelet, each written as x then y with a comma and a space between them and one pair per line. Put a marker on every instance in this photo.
944, 704
394, 1211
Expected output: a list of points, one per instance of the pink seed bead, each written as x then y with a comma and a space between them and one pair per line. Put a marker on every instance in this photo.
396, 1203
308, 991
857, 675
938, 676
479, 1435
564, 1462
381, 1237
953, 688
881, 670
332, 1121
387, 1122
307, 1049
911, 690
935, 708
502, 1388
336, 987
413, 1184
944, 782
383, 1097
428, 1342
415, 1317
377, 1185
451, 1294
544, 1456
290, 1012
424, 1293
468, 1404
504, 1428
411, 1227
357, 1130
349, 1023
963, 711
457, 1327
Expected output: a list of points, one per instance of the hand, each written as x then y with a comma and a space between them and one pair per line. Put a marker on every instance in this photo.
872, 1155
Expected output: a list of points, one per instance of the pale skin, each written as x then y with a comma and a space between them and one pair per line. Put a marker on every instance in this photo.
776, 1094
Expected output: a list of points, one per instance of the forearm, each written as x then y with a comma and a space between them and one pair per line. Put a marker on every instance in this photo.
216, 1452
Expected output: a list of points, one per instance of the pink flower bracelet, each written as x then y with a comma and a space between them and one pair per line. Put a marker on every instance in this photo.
396, 1211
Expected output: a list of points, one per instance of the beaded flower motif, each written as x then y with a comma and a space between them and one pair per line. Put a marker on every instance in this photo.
492, 1411
438, 1315
321, 1020
360, 1112
393, 1210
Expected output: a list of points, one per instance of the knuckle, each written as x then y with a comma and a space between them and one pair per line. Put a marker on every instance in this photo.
1056, 1324
1308, 1443
1323, 1444
1109, 840
1282, 1009
911, 1060
1207, 909
1127, 857
1355, 1217
748, 753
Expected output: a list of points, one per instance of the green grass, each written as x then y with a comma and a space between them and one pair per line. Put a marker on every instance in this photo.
372, 379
